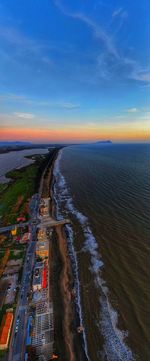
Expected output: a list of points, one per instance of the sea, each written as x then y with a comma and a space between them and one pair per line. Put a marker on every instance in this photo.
105, 191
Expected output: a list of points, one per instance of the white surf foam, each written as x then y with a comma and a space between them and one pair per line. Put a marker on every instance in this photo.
115, 347
62, 195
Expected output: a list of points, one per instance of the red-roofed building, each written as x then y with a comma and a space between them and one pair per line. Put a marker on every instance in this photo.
21, 219
26, 238
5, 330
44, 283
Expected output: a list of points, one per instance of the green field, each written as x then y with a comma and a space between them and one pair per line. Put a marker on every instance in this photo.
24, 184
2, 254
3, 187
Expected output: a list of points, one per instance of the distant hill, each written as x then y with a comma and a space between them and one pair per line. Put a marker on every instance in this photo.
15, 144
104, 142
6, 147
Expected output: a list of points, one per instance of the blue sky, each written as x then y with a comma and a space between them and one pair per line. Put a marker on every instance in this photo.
78, 66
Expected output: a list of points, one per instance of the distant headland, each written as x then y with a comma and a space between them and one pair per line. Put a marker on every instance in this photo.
14, 144
104, 142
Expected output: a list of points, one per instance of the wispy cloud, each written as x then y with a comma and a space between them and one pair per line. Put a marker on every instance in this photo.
120, 12
97, 30
111, 59
23, 47
13, 36
137, 72
70, 106
12, 97
133, 110
21, 99
24, 115
47, 60
141, 75
100, 34
118, 18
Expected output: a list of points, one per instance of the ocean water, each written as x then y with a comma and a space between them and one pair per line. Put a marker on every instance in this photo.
105, 190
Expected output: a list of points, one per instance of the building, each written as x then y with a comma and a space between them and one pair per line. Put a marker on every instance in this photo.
42, 246
42, 249
5, 330
25, 238
43, 330
40, 277
41, 235
44, 207
43, 210
37, 279
21, 219
14, 231
45, 275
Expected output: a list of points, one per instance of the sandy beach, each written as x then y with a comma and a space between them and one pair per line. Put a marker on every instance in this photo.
67, 341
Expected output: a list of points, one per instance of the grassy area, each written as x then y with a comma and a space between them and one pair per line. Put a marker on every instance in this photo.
3, 311
14, 198
14, 256
23, 185
3, 187
2, 354
19, 247
2, 254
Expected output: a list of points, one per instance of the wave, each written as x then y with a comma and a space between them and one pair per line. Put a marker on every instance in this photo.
63, 194
115, 347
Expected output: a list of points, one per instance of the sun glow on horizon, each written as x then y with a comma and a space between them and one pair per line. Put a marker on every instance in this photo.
119, 133
83, 82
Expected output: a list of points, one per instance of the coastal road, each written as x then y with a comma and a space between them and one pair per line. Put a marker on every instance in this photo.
19, 331
20, 335
21, 314
13, 226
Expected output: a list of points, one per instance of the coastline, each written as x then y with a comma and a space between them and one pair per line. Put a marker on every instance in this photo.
106, 340
76, 283
64, 274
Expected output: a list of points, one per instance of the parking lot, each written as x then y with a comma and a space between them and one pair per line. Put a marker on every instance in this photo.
11, 289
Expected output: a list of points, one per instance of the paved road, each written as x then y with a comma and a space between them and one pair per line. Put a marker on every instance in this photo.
20, 335
9, 228
18, 338
51, 222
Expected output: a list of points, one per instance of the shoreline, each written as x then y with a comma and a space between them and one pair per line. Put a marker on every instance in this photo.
103, 336
71, 319
79, 318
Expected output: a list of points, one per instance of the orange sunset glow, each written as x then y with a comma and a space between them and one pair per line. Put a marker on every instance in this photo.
82, 134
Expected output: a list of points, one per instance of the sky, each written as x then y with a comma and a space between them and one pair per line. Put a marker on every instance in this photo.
74, 70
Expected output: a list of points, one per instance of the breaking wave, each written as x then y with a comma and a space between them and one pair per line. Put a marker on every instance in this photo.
115, 348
